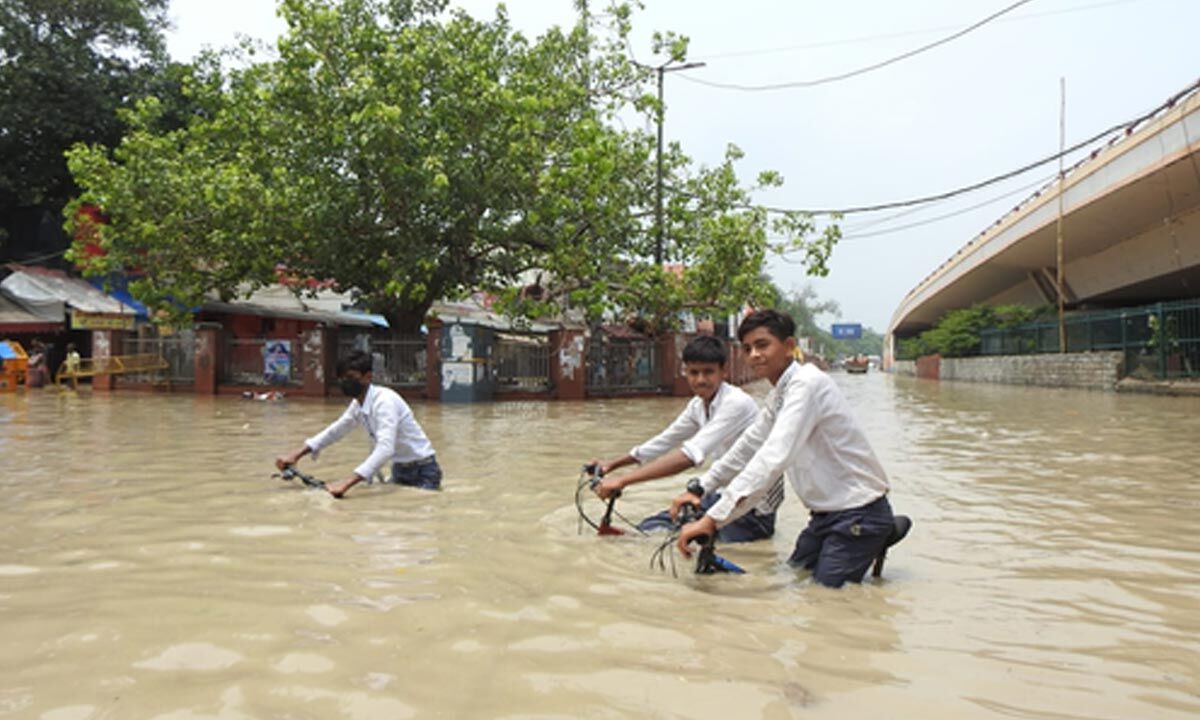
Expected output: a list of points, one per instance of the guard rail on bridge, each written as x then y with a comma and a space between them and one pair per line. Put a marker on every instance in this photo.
1159, 341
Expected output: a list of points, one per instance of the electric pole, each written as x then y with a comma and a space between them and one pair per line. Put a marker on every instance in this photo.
658, 185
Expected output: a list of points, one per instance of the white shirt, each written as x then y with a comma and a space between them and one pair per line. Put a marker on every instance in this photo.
703, 433
806, 431
395, 433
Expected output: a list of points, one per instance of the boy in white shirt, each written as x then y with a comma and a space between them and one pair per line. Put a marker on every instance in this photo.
707, 427
807, 432
396, 436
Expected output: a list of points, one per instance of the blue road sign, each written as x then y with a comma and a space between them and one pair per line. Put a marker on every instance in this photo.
847, 331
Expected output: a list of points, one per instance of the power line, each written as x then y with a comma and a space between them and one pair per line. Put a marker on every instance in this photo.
40, 258
1127, 127
864, 70
895, 35
852, 235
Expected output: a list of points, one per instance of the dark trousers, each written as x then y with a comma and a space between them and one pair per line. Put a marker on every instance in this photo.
748, 528
425, 474
839, 546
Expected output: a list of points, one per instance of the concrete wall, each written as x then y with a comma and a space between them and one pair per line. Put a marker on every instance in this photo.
905, 367
1093, 371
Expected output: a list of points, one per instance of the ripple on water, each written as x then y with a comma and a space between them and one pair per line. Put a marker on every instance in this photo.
105, 565
353, 705
191, 656
564, 601
309, 663
70, 712
327, 615
525, 614
260, 530
18, 570
549, 644
635, 636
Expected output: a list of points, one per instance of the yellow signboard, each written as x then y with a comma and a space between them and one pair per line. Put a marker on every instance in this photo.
100, 321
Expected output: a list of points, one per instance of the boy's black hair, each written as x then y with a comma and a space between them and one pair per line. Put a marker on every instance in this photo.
356, 360
778, 324
705, 349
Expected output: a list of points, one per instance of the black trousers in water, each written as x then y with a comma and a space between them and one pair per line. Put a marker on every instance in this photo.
424, 474
839, 546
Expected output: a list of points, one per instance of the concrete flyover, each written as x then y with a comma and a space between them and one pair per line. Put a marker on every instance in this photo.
1131, 232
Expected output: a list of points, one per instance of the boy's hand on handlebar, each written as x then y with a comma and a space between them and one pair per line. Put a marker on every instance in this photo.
283, 461
704, 527
608, 487
684, 498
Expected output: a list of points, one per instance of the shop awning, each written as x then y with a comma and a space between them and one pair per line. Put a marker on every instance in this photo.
279, 301
43, 288
17, 318
120, 292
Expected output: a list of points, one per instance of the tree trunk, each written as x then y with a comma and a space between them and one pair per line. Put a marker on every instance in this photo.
405, 319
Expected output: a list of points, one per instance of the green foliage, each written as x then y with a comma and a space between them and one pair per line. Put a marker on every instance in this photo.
957, 333
411, 155
804, 307
66, 67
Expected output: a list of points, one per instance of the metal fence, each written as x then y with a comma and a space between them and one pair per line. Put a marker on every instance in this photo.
619, 365
178, 350
1159, 341
522, 363
262, 361
398, 361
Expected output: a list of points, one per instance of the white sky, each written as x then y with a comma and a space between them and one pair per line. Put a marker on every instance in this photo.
979, 106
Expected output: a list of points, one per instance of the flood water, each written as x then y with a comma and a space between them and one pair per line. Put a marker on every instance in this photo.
152, 568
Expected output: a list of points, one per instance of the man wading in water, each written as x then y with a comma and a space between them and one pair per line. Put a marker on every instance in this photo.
395, 433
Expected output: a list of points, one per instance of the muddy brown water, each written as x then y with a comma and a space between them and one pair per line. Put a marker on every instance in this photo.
153, 569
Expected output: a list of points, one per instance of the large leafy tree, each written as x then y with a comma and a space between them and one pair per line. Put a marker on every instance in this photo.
66, 66
413, 154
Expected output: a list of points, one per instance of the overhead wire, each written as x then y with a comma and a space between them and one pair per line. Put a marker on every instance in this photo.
854, 234
891, 36
1126, 127
40, 258
863, 70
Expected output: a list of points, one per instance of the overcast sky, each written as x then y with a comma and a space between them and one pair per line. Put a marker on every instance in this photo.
976, 107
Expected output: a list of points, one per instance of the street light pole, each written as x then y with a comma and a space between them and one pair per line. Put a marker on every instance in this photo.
658, 185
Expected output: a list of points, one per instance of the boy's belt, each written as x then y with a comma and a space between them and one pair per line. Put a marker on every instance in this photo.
417, 463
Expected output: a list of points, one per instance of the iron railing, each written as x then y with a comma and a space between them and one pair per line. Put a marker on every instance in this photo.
398, 361
522, 363
1159, 341
620, 365
178, 350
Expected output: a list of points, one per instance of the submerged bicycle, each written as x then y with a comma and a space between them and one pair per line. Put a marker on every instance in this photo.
708, 562
291, 473
589, 477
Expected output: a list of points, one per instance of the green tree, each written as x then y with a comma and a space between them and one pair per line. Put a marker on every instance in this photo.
66, 66
804, 306
958, 332
412, 154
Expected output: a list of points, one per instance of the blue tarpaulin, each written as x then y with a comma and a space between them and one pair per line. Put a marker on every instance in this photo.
119, 290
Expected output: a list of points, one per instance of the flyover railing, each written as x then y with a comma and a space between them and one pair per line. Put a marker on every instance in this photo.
1159, 341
